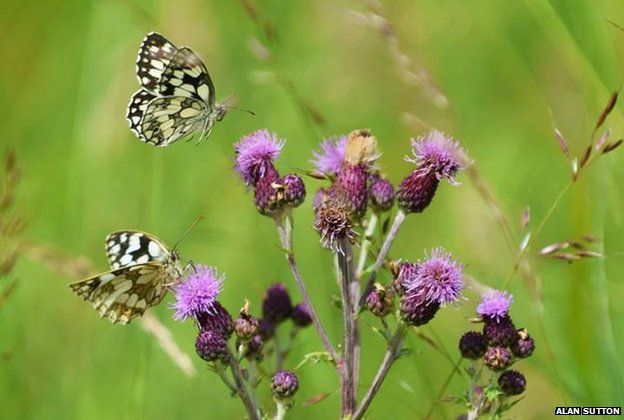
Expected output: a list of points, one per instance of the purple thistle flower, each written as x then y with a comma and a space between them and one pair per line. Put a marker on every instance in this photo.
439, 154
512, 382
436, 157
255, 154
198, 293
497, 358
415, 310
495, 304
294, 190
329, 159
439, 278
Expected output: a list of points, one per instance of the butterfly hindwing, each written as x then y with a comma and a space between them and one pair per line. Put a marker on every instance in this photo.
155, 54
127, 247
186, 76
136, 109
168, 119
125, 293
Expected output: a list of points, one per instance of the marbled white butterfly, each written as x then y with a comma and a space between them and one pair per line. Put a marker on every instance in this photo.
143, 269
177, 97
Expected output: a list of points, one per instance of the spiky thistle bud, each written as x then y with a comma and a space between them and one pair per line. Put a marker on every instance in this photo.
499, 332
219, 321
524, 345
210, 346
246, 325
415, 310
497, 358
381, 193
294, 190
284, 384
512, 382
380, 301
472, 345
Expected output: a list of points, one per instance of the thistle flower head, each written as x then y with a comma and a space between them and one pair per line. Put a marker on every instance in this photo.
351, 188
524, 345
255, 154
438, 278
380, 301
329, 159
198, 293
246, 325
294, 190
497, 358
415, 310
276, 305
495, 304
333, 223
439, 154
472, 345
284, 384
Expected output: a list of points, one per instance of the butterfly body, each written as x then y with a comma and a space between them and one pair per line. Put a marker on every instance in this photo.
143, 269
177, 97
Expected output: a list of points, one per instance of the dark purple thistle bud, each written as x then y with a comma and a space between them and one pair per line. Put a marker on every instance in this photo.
284, 384
381, 193
211, 346
267, 329
436, 157
524, 345
352, 180
512, 382
269, 195
294, 190
472, 345
417, 311
218, 321
333, 223
416, 191
499, 332
246, 325
276, 305
497, 358
380, 301
301, 315
255, 154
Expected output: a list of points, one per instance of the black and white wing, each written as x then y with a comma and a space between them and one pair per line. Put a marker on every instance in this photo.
171, 118
128, 247
136, 109
187, 76
154, 56
125, 293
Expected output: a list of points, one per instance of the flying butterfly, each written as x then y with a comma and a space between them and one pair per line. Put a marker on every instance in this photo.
177, 97
143, 269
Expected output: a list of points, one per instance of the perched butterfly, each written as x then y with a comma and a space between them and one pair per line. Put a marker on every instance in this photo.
177, 97
142, 271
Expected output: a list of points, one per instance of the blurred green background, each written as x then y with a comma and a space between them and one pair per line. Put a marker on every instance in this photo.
507, 69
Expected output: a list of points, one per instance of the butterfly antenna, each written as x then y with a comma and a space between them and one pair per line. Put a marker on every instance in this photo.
242, 110
187, 231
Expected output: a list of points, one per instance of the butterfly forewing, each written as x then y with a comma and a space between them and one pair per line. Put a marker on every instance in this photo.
187, 76
127, 247
155, 54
